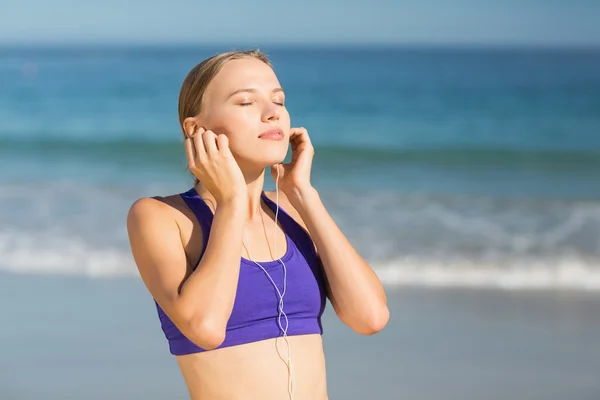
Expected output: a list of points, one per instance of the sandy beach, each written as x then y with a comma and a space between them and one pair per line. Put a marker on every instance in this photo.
67, 338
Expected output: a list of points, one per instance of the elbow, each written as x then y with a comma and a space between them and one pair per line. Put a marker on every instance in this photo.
374, 322
377, 324
205, 330
206, 333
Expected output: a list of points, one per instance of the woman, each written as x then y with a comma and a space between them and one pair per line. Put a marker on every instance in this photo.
240, 276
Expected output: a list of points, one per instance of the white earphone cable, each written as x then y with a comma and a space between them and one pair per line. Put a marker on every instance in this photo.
280, 294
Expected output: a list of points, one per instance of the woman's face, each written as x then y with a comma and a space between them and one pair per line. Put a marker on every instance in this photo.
243, 101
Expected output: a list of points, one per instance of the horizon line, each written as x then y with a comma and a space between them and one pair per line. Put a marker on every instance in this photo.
300, 45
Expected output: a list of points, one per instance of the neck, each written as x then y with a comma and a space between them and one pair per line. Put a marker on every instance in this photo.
254, 186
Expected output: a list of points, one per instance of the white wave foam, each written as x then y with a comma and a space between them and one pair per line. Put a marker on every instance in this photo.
29, 253
563, 273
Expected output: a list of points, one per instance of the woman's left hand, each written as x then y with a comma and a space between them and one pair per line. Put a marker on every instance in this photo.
294, 178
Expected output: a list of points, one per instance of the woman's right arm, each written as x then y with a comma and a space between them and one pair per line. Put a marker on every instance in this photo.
199, 304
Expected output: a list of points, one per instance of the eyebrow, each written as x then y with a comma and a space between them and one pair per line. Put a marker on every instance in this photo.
252, 90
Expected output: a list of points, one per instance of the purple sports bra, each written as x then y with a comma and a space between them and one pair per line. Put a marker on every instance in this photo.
255, 310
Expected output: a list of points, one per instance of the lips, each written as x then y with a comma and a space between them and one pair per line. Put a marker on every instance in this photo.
272, 134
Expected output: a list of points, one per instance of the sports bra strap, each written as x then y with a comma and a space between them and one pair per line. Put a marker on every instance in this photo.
202, 212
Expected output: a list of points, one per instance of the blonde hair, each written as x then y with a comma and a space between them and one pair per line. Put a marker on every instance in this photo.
195, 83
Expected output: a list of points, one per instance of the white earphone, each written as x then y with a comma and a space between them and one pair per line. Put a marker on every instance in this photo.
280, 294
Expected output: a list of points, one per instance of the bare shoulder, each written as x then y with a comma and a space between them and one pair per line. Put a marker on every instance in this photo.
160, 208
161, 216
164, 243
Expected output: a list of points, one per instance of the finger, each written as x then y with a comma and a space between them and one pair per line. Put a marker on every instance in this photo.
299, 135
199, 145
210, 143
222, 143
189, 151
298, 131
300, 140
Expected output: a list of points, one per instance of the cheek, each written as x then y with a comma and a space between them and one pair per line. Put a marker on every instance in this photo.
284, 120
233, 123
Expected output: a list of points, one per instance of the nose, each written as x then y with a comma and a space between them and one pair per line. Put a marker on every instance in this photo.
271, 112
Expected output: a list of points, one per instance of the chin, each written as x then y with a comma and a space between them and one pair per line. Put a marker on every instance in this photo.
262, 163
271, 161
262, 157
269, 158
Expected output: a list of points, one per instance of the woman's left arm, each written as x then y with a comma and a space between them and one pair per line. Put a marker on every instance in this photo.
354, 289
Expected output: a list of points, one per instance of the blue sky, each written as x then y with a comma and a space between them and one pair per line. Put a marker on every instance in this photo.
495, 22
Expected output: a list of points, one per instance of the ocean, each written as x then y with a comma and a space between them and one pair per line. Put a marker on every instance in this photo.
444, 167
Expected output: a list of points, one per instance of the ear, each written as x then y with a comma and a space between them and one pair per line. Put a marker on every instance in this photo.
191, 126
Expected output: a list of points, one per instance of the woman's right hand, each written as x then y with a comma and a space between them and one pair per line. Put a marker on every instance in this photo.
211, 161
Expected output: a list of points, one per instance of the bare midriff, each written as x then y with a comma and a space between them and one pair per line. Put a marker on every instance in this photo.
258, 370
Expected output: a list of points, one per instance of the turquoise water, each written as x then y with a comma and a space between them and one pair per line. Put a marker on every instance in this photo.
444, 167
